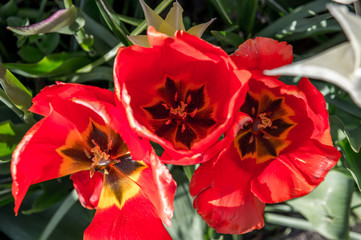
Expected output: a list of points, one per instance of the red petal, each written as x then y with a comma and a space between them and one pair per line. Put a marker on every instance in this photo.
295, 173
124, 212
88, 189
262, 53
205, 65
159, 187
67, 91
317, 103
223, 196
35, 159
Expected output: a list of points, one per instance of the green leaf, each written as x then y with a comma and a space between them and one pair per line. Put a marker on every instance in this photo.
327, 207
29, 53
55, 22
29, 227
10, 136
130, 20
228, 38
15, 90
113, 21
51, 65
59, 214
53, 192
284, 23
221, 7
246, 15
48, 43
353, 161
9, 9
350, 126
186, 223
97, 74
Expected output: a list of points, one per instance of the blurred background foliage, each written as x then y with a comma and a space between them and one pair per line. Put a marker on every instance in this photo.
83, 53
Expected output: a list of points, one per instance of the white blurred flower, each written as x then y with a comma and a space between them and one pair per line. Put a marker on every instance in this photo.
169, 25
340, 65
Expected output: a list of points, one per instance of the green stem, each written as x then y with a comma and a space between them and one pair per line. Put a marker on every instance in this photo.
288, 221
297, 223
59, 214
111, 54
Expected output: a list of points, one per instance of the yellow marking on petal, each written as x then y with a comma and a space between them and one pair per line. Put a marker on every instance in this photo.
69, 165
126, 184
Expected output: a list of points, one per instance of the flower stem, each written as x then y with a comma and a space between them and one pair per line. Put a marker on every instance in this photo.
59, 214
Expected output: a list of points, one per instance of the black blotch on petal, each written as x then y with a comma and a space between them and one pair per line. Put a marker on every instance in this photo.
98, 136
186, 137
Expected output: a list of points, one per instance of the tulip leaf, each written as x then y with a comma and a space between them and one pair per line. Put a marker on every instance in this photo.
113, 21
352, 129
10, 136
246, 15
59, 214
327, 207
23, 226
97, 74
303, 12
228, 38
58, 20
221, 7
51, 65
352, 161
8, 9
186, 223
15, 90
52, 193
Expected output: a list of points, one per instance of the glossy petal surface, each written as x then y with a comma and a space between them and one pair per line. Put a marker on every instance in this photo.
180, 110
88, 188
283, 151
110, 165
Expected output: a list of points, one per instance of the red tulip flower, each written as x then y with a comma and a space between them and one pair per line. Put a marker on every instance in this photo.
84, 134
279, 149
180, 93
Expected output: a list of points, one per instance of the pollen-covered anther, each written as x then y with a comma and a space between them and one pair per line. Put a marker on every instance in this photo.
263, 121
100, 160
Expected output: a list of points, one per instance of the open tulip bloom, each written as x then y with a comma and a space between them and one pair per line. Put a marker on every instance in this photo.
278, 148
180, 93
84, 134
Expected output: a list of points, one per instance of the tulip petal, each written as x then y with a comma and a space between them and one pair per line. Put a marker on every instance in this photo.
123, 211
36, 159
88, 188
262, 53
62, 91
58, 20
296, 173
223, 197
